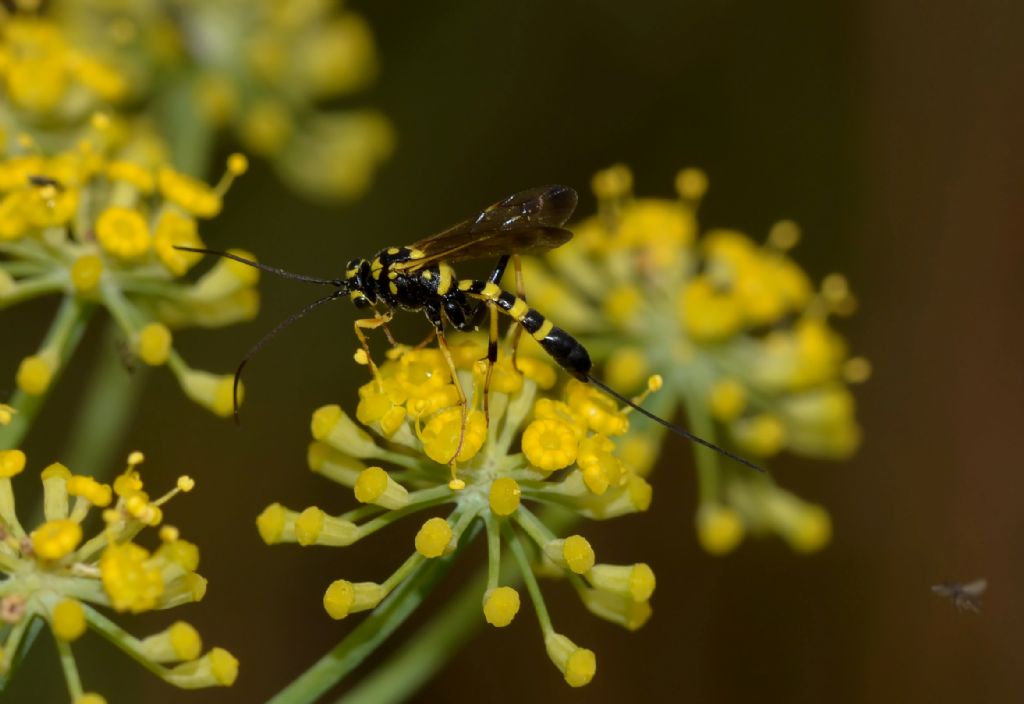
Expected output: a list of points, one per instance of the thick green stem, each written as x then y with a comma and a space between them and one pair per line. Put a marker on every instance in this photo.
368, 635
709, 475
105, 412
427, 651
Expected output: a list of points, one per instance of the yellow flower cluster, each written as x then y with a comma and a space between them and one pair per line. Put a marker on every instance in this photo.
736, 327
98, 224
47, 80
262, 68
536, 446
55, 573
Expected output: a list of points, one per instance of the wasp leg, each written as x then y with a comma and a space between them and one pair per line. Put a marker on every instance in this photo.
492, 358
387, 333
434, 315
373, 323
425, 341
476, 313
517, 330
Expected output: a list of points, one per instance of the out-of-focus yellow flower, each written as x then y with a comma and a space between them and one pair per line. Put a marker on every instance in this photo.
114, 246
263, 69
46, 78
538, 447
740, 333
57, 573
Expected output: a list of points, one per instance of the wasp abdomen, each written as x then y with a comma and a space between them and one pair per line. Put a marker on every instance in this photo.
563, 347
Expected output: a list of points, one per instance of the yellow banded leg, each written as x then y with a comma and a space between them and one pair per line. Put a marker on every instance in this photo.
455, 484
370, 324
492, 357
387, 330
517, 330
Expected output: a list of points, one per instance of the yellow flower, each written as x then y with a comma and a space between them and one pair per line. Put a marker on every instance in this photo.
411, 410
738, 327
57, 573
88, 225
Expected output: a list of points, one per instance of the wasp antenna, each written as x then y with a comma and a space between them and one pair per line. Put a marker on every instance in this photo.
672, 426
263, 267
280, 327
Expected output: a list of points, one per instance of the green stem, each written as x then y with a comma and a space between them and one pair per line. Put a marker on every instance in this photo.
526, 572
105, 411
189, 137
65, 332
405, 671
15, 652
426, 651
368, 635
709, 475
67, 662
34, 287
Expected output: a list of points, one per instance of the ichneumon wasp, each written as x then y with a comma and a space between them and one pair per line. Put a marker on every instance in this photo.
420, 277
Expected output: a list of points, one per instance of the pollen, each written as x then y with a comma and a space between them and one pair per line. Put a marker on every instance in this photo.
176, 229
442, 434
86, 272
12, 462
811, 531
90, 698
129, 578
238, 164
343, 597
691, 184
35, 374
573, 552
56, 539
130, 172
375, 486
763, 435
315, 527
123, 232
719, 529
600, 412
68, 620
578, 665
89, 489
549, 444
189, 193
709, 315
727, 399
154, 344
433, 538
180, 642
504, 498
501, 606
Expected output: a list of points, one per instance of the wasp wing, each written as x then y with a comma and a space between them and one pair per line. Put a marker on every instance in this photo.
528, 222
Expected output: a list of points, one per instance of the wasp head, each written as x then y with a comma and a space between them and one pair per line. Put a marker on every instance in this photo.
359, 283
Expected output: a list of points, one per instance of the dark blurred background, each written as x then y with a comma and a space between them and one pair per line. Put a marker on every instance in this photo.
889, 130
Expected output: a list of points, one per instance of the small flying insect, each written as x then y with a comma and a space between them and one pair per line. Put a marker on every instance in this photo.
966, 597
420, 277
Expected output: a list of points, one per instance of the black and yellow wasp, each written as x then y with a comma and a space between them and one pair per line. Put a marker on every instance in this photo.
420, 277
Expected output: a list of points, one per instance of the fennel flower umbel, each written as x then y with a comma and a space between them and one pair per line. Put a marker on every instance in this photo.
97, 224
57, 573
539, 447
736, 327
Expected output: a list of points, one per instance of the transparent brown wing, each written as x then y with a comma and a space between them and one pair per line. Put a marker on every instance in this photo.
528, 222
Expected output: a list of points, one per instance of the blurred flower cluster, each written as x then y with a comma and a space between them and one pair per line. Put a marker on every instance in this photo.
268, 70
736, 327
98, 224
538, 446
56, 574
